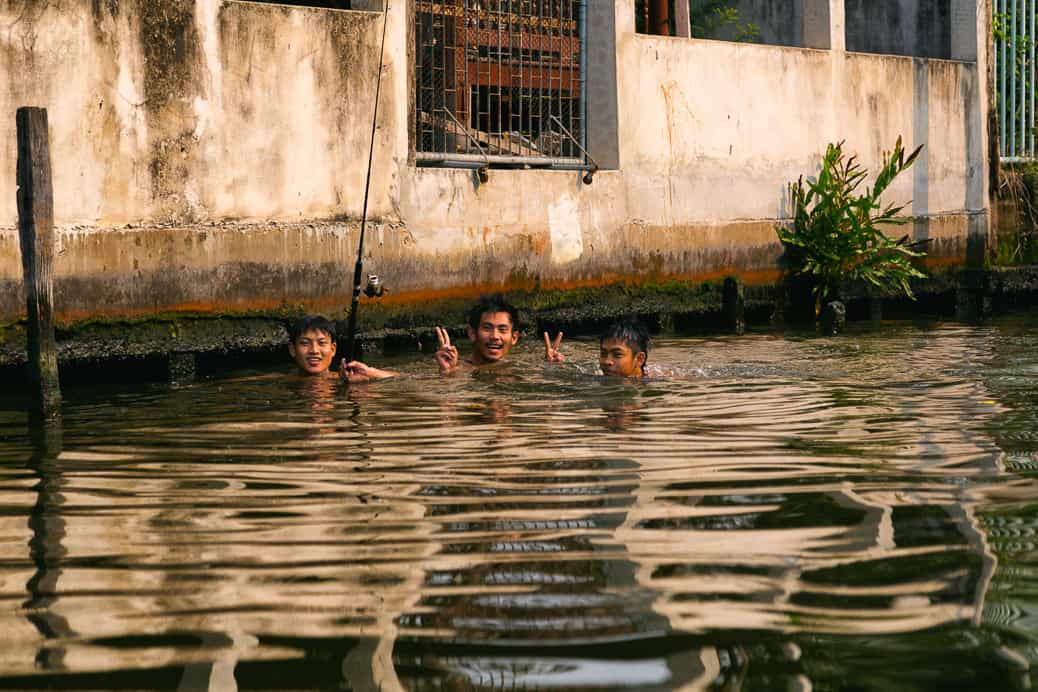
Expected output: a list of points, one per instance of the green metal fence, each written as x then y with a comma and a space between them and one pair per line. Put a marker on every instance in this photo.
1014, 31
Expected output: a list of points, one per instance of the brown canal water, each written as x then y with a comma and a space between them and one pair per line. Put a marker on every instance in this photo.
791, 512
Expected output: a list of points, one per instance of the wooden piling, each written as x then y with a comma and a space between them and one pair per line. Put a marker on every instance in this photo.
734, 305
833, 319
36, 233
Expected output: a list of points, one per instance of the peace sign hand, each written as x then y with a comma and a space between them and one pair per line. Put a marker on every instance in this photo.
551, 349
446, 354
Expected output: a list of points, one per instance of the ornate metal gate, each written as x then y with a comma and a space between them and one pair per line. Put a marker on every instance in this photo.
500, 82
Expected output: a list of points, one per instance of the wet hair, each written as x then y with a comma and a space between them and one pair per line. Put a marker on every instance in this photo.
310, 323
494, 303
631, 332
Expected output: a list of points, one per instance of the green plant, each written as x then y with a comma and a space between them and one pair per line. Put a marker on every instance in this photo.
836, 235
710, 17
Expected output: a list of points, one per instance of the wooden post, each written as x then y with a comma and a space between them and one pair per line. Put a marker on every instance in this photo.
734, 305
36, 233
833, 318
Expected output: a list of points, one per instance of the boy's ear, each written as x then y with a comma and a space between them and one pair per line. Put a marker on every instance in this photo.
640, 357
472, 334
292, 348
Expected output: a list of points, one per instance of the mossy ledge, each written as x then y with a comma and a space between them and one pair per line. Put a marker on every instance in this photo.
675, 306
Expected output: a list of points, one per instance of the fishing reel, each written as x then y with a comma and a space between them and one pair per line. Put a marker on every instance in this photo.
374, 289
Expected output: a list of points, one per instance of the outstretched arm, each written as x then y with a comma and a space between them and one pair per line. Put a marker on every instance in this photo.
446, 354
552, 354
356, 372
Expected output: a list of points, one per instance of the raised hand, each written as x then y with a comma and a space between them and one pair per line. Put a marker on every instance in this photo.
551, 349
446, 354
355, 372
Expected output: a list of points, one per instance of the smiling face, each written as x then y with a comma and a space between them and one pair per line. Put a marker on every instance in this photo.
313, 351
616, 359
492, 338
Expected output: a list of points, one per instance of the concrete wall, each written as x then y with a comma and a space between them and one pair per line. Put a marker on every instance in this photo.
171, 119
210, 156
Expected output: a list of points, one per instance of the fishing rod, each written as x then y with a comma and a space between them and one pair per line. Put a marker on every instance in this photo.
351, 330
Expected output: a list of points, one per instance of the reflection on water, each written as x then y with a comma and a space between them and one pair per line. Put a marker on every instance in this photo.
794, 513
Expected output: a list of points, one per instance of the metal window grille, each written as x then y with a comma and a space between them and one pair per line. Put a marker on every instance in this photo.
500, 82
1014, 24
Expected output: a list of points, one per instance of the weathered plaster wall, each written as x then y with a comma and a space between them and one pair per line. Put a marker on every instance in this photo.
187, 111
174, 122
694, 149
707, 145
210, 156
733, 122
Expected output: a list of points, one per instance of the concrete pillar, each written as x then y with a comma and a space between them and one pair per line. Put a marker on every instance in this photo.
603, 141
964, 30
816, 24
682, 19
837, 26
824, 25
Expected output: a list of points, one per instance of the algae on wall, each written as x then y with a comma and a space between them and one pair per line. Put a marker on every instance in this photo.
1015, 242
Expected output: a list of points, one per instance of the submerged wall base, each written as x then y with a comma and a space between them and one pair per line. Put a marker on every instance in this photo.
668, 307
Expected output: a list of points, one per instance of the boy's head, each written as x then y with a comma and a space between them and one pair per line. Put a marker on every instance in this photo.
624, 348
493, 329
311, 343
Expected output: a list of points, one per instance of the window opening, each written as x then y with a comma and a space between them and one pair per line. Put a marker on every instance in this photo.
500, 82
891, 27
330, 4
654, 17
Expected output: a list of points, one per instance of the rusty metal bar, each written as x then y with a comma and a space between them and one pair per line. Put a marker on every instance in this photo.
563, 162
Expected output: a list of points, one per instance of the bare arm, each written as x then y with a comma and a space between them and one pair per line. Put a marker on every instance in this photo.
356, 372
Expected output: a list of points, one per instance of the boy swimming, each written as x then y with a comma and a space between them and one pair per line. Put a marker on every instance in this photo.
623, 349
311, 343
493, 330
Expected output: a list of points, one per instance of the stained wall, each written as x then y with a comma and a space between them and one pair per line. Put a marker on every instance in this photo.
210, 156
